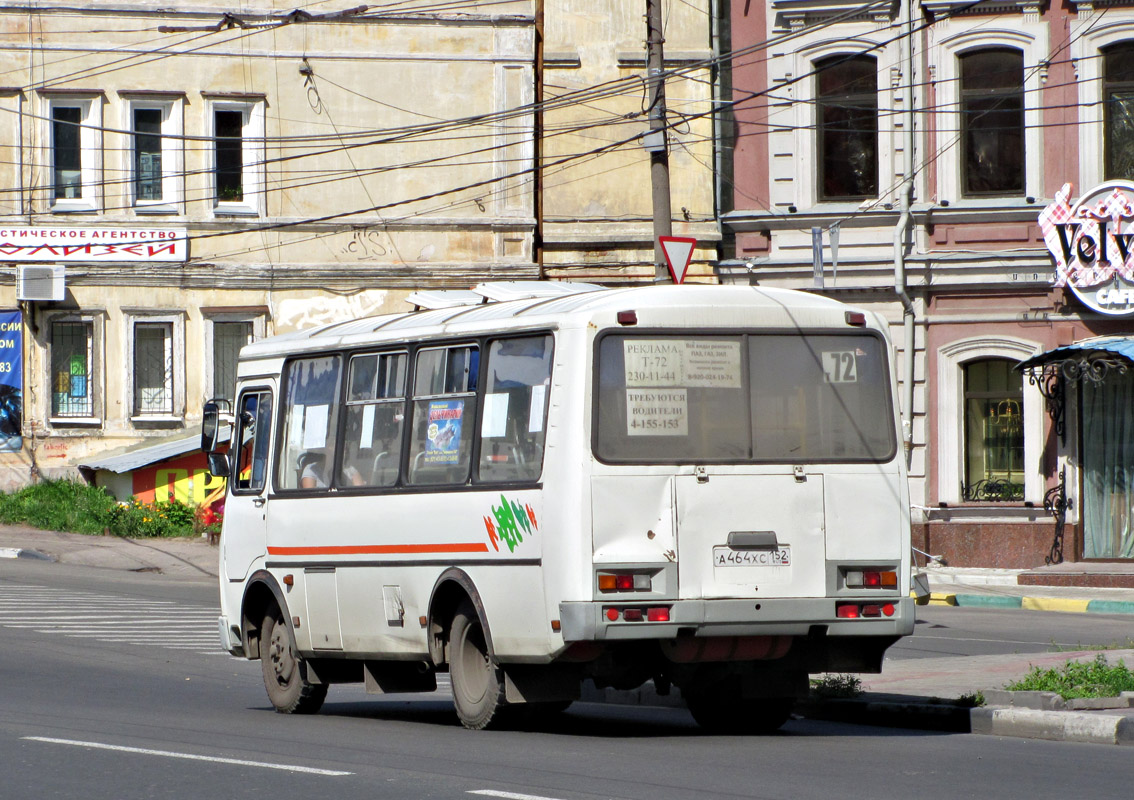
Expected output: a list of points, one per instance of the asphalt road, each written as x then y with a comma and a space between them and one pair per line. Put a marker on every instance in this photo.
91, 707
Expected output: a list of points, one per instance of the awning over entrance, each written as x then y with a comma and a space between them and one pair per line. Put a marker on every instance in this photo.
1111, 351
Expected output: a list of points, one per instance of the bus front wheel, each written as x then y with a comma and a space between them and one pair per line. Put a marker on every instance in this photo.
282, 668
478, 684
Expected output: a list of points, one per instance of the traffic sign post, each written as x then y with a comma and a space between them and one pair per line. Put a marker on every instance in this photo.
678, 252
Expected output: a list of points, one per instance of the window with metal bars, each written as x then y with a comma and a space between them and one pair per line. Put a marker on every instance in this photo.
153, 368
228, 338
72, 345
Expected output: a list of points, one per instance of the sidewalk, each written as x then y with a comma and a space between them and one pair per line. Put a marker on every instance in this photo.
916, 693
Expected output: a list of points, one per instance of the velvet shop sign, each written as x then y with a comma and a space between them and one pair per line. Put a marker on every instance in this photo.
1092, 242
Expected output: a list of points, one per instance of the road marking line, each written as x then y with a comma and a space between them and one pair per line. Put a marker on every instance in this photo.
189, 756
508, 795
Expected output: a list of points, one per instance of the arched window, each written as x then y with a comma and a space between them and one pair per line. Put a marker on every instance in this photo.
992, 122
846, 112
1118, 122
994, 431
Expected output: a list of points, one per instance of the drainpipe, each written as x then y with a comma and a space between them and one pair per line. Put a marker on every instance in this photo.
901, 231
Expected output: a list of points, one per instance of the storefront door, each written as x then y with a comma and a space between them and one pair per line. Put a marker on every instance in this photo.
1108, 466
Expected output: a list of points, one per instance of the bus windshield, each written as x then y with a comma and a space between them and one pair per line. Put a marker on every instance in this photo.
767, 398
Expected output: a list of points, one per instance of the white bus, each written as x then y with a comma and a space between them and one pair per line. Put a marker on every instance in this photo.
699, 486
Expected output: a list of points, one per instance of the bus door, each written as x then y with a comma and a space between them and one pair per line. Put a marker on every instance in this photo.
750, 535
246, 509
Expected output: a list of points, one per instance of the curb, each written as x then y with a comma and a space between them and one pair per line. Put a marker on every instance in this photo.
1060, 604
1061, 726
20, 552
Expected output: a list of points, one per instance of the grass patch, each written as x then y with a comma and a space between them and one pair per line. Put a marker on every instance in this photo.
1096, 678
836, 687
75, 507
1060, 648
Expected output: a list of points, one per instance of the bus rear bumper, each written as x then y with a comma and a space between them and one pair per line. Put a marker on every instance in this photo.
589, 621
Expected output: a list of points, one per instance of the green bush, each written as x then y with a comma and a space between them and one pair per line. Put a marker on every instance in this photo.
78, 508
1096, 678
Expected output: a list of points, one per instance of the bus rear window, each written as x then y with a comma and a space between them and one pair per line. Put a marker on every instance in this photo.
753, 397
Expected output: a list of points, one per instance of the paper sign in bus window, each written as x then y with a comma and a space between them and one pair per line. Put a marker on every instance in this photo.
535, 410
315, 426
443, 434
840, 366
495, 422
657, 412
682, 362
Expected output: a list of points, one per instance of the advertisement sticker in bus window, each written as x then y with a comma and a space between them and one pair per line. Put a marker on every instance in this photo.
652, 362
443, 436
495, 422
840, 366
682, 362
657, 412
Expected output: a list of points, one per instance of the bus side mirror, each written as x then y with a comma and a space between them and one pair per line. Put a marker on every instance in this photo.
218, 465
215, 420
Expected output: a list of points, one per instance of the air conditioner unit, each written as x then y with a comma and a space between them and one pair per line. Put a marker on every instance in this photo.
40, 282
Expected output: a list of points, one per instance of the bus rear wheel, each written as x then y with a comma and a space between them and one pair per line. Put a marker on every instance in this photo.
478, 683
282, 668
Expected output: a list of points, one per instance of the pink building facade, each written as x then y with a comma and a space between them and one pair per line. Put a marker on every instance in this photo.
899, 156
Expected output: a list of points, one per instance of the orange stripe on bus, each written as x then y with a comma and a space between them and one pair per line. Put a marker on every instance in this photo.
380, 549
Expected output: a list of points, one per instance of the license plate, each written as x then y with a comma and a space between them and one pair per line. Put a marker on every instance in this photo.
724, 556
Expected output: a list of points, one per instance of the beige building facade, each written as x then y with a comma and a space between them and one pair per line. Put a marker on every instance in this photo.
198, 175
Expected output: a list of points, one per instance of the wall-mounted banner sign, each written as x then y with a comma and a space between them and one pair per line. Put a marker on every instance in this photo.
67, 244
1092, 243
11, 381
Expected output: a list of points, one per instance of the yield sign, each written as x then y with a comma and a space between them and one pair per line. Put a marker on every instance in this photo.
678, 250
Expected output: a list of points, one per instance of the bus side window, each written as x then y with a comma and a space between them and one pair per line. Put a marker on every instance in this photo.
515, 409
253, 422
310, 410
375, 414
444, 407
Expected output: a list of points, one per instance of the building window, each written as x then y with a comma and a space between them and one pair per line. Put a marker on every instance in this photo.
72, 369
156, 356
237, 156
147, 154
73, 154
67, 153
1118, 88
994, 431
155, 161
847, 127
992, 122
228, 338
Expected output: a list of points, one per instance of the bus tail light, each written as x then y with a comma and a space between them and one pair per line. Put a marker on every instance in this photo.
624, 582
632, 614
658, 614
846, 611
872, 579
614, 614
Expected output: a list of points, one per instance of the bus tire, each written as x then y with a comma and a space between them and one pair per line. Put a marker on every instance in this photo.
720, 712
478, 683
283, 671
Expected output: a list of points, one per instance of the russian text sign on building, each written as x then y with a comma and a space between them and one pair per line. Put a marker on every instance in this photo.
70, 245
1092, 243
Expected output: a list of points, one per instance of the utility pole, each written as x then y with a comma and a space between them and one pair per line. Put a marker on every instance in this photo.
655, 141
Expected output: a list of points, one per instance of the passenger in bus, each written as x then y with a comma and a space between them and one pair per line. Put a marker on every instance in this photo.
313, 472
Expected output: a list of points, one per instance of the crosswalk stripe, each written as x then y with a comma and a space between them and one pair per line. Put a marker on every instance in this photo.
109, 619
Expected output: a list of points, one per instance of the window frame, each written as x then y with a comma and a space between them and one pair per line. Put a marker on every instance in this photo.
234, 481
253, 154
176, 320
950, 409
853, 100
966, 96
1086, 52
210, 317
172, 152
96, 373
90, 152
965, 34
